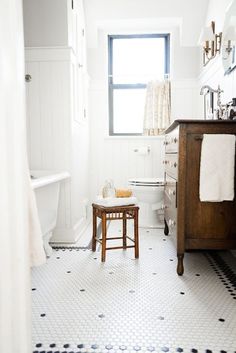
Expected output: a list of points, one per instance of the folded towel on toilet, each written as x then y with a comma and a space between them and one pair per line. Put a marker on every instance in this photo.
217, 168
115, 201
123, 192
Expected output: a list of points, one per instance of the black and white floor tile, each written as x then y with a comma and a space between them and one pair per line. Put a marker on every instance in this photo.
127, 305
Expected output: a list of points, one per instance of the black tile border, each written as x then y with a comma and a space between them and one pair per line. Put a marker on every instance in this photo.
92, 348
225, 273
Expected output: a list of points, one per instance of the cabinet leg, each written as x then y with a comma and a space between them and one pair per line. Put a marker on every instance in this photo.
180, 265
166, 229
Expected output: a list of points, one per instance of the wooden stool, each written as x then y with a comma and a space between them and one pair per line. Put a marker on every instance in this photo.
108, 214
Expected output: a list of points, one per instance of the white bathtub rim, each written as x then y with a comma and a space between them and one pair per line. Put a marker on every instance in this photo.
47, 177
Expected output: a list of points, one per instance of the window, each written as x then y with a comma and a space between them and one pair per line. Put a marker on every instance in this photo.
133, 61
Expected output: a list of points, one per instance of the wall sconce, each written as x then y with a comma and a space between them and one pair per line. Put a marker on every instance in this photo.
211, 43
229, 42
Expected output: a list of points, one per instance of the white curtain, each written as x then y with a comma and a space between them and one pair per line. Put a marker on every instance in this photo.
19, 226
157, 107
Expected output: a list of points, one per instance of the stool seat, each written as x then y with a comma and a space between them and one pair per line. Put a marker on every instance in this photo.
123, 213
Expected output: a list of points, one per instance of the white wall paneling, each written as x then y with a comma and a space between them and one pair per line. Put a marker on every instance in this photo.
114, 158
55, 138
213, 74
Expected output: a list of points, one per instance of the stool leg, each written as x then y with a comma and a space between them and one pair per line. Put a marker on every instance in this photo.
94, 230
136, 248
124, 230
104, 236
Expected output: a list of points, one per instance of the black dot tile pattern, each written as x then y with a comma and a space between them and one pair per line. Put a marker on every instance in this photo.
225, 274
80, 346
224, 271
108, 347
52, 345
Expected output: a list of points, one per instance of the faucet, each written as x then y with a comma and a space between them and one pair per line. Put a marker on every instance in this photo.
218, 91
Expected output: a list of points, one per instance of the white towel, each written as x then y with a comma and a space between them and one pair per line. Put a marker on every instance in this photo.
217, 168
116, 201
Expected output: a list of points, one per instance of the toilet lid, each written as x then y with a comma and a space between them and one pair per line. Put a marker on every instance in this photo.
146, 181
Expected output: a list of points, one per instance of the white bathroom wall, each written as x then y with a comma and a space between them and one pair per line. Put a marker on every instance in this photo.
213, 74
57, 114
57, 135
53, 15
113, 157
146, 14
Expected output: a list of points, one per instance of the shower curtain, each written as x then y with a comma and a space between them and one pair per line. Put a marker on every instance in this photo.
20, 235
157, 107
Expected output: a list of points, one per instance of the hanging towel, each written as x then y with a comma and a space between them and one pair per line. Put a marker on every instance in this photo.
217, 168
157, 107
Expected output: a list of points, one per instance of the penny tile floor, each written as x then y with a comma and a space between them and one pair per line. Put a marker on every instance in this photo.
134, 305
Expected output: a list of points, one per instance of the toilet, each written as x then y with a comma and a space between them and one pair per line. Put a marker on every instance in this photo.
150, 195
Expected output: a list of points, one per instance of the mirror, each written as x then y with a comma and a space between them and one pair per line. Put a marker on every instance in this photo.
228, 49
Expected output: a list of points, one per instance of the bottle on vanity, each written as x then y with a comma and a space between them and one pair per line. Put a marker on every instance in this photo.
108, 189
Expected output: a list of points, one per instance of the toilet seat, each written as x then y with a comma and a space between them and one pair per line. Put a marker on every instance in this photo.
146, 182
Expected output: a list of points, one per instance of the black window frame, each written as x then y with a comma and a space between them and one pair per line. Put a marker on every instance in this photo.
112, 86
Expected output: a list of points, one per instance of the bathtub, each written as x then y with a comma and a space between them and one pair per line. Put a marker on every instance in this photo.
46, 185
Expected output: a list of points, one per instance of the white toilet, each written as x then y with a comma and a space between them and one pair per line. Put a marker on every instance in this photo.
150, 195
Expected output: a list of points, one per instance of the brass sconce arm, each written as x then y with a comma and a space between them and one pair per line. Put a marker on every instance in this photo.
211, 43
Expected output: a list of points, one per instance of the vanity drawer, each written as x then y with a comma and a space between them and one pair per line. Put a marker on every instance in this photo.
172, 141
171, 165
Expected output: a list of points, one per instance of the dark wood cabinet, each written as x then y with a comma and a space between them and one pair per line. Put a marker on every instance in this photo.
195, 224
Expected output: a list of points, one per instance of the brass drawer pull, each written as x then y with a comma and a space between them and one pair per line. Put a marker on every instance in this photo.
175, 165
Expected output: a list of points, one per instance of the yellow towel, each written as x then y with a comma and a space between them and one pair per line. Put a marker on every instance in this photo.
123, 193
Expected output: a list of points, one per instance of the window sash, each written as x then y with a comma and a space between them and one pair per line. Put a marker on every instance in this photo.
112, 86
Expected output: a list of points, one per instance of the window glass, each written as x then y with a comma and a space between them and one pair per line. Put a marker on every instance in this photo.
134, 60
128, 107
138, 60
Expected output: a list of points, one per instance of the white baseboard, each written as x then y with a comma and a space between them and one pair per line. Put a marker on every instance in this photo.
69, 235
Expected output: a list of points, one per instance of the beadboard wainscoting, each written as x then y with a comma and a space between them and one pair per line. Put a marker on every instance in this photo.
114, 157
58, 137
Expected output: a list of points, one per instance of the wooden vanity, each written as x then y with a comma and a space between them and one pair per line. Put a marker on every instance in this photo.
194, 224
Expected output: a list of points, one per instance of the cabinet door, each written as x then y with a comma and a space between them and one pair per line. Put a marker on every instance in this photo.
207, 221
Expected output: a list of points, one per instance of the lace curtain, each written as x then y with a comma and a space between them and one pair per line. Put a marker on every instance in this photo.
157, 107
